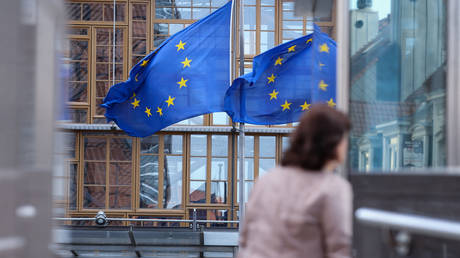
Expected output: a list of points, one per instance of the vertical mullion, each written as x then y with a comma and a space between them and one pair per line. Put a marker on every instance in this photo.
80, 176
256, 157
136, 173
107, 171
161, 164
208, 168
92, 79
185, 167
258, 20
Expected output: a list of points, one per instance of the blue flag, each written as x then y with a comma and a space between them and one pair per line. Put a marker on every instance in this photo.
186, 76
285, 81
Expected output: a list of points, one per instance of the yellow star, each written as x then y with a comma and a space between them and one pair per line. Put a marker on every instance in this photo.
331, 103
144, 63
322, 85
291, 49
186, 62
147, 111
170, 101
134, 95
182, 83
286, 105
309, 40
135, 78
321, 65
324, 48
305, 106
274, 94
135, 103
271, 78
278, 61
159, 111
181, 45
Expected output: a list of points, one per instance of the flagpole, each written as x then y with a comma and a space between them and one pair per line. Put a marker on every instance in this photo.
241, 141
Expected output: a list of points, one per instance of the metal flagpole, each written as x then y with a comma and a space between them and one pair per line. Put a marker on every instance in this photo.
242, 136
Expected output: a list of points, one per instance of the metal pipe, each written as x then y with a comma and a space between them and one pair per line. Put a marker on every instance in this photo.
151, 220
411, 223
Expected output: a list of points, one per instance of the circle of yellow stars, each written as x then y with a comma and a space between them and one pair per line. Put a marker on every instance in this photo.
170, 101
322, 85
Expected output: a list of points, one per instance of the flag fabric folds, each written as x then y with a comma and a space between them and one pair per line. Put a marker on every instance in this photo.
186, 76
285, 81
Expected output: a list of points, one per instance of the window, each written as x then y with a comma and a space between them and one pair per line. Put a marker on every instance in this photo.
95, 12
260, 157
209, 169
161, 177
139, 32
398, 90
107, 177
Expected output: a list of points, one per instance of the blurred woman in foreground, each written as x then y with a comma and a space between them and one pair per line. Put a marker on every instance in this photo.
302, 209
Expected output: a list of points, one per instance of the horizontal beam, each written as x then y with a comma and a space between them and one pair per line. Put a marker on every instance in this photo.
178, 128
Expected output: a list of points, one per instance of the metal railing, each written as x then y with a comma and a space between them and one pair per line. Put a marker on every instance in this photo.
101, 220
409, 223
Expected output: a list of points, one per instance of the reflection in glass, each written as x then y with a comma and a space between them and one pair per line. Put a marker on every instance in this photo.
267, 146
247, 190
120, 173
197, 192
72, 194
173, 144
94, 197
398, 93
172, 182
148, 193
219, 145
150, 144
94, 173
219, 168
267, 40
285, 143
249, 18
198, 168
265, 165
198, 145
248, 169
220, 118
120, 197
218, 192
120, 149
198, 120
267, 15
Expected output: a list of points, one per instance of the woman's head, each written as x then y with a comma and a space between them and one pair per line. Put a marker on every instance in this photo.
321, 137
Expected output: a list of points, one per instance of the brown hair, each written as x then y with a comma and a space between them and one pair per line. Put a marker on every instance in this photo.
314, 141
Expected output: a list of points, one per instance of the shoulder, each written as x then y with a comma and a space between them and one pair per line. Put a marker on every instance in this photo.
337, 185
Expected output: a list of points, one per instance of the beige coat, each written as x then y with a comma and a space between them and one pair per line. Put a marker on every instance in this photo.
294, 213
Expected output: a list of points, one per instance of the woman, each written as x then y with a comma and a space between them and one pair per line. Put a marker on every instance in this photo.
302, 209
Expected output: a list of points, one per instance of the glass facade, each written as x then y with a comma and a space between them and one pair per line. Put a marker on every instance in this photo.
398, 84
170, 173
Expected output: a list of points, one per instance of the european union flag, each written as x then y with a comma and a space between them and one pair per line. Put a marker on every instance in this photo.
185, 76
285, 81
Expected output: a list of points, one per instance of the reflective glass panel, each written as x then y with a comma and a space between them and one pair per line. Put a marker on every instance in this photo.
172, 182
94, 197
198, 145
398, 92
120, 197
219, 168
218, 192
197, 192
94, 173
120, 149
148, 193
198, 168
219, 145
267, 146
173, 144
150, 144
265, 165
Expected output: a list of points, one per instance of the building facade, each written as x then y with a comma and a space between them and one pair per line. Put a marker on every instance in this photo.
187, 166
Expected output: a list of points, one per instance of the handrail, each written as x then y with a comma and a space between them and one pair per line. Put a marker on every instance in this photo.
411, 223
151, 220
